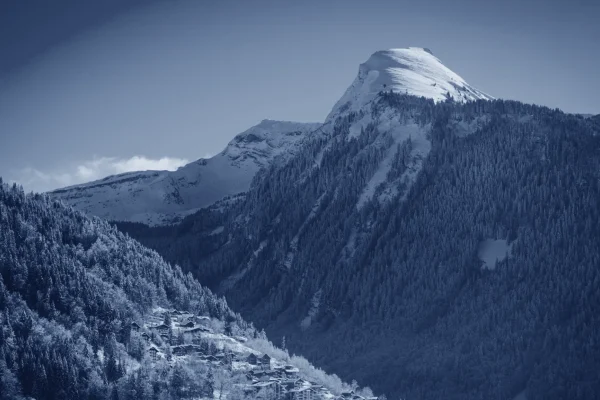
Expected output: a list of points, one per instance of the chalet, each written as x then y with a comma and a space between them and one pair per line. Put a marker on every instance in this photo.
199, 329
289, 384
183, 349
162, 328
266, 361
300, 393
274, 385
146, 337
273, 374
322, 392
291, 371
301, 382
191, 349
259, 374
188, 324
153, 351
135, 327
252, 359
278, 372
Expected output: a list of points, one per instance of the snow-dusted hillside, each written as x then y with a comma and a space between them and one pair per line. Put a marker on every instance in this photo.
415, 71
163, 197
251, 365
144, 330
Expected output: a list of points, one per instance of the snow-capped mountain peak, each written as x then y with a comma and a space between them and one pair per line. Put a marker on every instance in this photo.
164, 197
414, 70
267, 140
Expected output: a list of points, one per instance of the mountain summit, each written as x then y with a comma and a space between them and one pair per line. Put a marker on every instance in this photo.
164, 197
415, 71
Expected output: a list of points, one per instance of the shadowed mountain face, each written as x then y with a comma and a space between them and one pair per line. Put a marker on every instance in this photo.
428, 248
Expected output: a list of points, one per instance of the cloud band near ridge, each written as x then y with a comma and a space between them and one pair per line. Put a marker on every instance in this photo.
36, 180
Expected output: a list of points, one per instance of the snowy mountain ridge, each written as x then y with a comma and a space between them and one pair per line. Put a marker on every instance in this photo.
164, 197
414, 71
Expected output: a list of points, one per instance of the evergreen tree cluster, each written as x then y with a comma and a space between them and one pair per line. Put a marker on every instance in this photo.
70, 288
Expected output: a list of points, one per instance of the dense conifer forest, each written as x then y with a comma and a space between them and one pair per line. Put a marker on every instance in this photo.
389, 289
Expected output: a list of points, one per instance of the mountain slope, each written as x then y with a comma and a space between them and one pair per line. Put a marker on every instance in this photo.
88, 313
374, 239
162, 197
430, 247
414, 71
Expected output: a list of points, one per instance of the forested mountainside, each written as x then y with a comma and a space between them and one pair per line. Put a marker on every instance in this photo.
429, 250
88, 313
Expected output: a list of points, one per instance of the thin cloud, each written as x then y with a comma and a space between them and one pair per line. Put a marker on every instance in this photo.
36, 180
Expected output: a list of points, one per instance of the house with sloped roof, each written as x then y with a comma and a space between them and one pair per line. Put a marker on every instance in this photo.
265, 361
153, 351
252, 359
300, 393
162, 328
291, 371
275, 386
188, 324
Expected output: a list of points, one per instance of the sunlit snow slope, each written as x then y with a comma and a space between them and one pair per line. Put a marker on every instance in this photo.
415, 71
163, 197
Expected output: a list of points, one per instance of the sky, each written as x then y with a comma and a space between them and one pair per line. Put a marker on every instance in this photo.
90, 89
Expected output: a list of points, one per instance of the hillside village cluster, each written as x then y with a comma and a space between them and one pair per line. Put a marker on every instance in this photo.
186, 336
